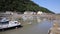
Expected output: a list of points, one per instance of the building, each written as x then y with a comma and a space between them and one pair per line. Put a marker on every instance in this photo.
29, 12
39, 12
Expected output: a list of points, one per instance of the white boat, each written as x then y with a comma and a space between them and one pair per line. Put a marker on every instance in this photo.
5, 24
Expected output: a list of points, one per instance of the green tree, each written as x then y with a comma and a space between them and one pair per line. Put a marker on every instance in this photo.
21, 6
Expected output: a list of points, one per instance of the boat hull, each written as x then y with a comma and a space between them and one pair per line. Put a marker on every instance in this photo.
8, 28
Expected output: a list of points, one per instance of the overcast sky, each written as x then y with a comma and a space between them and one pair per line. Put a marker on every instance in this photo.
53, 5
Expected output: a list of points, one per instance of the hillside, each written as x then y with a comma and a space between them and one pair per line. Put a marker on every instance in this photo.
21, 6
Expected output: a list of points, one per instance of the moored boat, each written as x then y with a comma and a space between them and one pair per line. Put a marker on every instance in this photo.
6, 24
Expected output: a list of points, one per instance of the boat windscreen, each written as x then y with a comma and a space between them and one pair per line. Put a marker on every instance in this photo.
7, 22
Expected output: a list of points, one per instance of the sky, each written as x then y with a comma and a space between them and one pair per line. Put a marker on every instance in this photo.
53, 5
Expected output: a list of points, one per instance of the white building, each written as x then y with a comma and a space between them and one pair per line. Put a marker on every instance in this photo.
40, 12
29, 12
9, 12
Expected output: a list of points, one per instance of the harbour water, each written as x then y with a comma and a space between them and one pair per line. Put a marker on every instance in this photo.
34, 28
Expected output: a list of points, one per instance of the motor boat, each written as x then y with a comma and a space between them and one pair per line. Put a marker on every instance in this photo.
6, 24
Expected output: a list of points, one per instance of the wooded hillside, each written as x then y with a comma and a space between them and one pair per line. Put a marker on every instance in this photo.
21, 6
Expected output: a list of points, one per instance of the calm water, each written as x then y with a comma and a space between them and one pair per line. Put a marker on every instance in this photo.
34, 28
